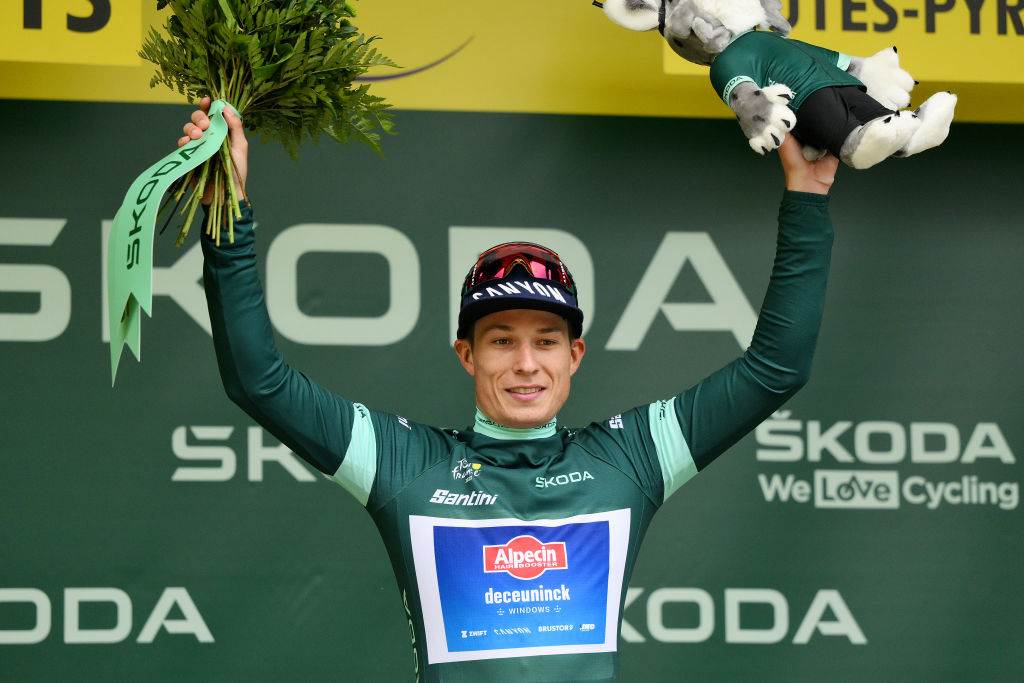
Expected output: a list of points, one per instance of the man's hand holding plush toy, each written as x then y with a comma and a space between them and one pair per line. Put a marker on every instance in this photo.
852, 107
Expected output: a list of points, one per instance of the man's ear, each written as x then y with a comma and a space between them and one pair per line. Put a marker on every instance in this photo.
464, 350
577, 347
636, 15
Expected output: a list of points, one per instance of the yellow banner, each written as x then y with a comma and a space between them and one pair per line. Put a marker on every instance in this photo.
542, 56
958, 41
107, 32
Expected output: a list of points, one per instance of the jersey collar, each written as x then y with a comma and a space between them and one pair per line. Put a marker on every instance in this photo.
488, 427
740, 35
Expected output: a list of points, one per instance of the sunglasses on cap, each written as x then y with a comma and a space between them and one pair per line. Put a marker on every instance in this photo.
498, 262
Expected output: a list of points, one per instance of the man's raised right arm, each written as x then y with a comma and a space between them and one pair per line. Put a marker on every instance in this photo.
315, 423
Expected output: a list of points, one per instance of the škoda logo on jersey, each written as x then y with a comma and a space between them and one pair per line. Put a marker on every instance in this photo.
524, 557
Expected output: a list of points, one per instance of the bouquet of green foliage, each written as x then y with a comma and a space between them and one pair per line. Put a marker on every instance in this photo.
287, 67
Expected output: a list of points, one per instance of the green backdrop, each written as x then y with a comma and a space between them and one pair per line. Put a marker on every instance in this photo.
152, 532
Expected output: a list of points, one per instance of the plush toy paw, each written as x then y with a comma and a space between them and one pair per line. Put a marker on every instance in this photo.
879, 139
936, 115
763, 114
885, 80
777, 121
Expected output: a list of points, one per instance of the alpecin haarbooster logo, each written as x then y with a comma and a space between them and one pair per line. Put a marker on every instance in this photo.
510, 586
524, 557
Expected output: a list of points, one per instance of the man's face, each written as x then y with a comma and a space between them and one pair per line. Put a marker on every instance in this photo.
521, 361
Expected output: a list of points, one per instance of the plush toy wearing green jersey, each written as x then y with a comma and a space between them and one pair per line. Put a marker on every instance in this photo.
850, 106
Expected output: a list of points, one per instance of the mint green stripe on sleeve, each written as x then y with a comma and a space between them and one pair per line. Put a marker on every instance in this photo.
727, 90
677, 466
358, 469
843, 61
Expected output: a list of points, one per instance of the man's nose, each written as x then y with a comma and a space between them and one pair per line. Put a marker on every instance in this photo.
526, 361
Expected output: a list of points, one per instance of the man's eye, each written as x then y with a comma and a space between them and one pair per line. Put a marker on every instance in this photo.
500, 340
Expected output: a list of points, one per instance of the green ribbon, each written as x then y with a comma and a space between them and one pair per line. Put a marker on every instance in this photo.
130, 246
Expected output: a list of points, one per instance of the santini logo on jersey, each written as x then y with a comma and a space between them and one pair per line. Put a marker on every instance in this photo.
446, 497
563, 479
524, 557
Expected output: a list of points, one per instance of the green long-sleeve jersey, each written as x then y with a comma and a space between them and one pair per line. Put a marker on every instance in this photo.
513, 548
766, 58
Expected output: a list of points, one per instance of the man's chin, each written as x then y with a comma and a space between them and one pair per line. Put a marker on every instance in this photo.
522, 417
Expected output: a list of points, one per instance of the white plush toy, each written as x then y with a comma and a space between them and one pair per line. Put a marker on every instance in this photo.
850, 106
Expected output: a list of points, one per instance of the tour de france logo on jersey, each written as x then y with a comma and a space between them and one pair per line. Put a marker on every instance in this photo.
524, 557
465, 470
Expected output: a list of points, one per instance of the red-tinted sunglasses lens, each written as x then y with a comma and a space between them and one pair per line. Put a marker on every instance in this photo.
498, 262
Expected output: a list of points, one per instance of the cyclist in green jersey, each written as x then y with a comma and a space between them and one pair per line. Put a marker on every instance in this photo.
513, 540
